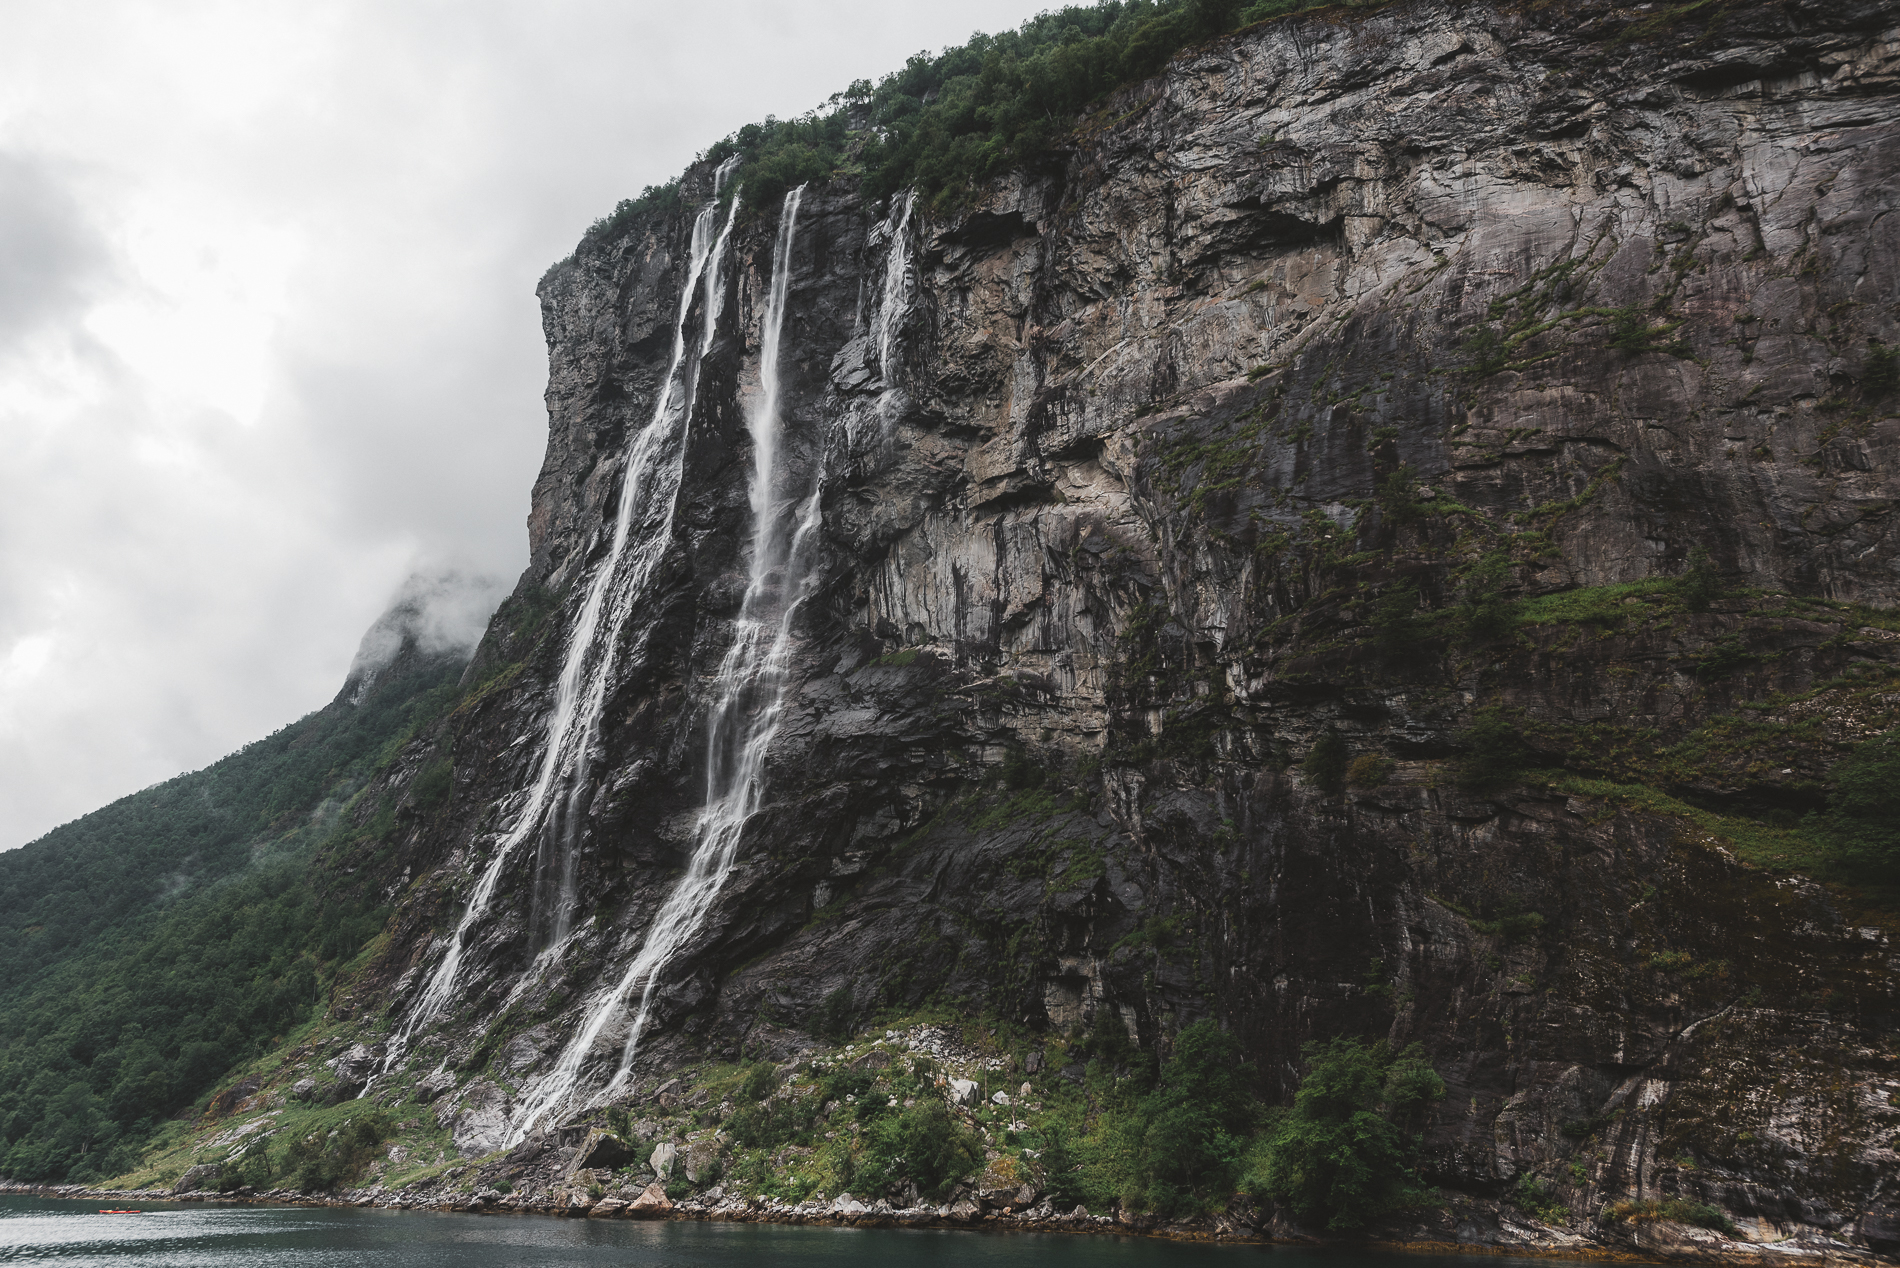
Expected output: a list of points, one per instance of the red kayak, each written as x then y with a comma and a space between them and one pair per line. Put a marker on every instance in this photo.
104, 1211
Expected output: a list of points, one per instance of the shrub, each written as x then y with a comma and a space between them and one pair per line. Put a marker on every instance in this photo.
1020, 771
1519, 926
1701, 585
760, 1082
1862, 821
924, 1144
1397, 495
1369, 770
322, 1161
1494, 752
1343, 1154
1533, 1198
836, 1016
1724, 657
1484, 615
250, 1169
1326, 762
433, 785
1880, 374
1395, 624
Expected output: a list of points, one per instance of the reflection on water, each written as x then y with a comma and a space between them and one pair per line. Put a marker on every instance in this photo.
34, 1230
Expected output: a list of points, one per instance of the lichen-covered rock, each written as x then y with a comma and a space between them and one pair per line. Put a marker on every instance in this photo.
476, 1118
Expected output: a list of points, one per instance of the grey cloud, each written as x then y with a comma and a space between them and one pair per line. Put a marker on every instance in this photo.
174, 582
436, 612
51, 257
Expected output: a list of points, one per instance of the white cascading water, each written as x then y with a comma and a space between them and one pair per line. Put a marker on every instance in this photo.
649, 487
743, 721
895, 301
889, 318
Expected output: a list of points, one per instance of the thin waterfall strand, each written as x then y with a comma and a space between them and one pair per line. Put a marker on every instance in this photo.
611, 593
743, 722
892, 305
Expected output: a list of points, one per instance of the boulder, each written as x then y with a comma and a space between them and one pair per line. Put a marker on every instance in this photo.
1000, 1098
606, 1209
1881, 1229
603, 1149
662, 1159
964, 1092
303, 1089
652, 1202
434, 1084
354, 1066
700, 1157
233, 1098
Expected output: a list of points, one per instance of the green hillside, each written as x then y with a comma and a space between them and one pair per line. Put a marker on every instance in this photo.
158, 941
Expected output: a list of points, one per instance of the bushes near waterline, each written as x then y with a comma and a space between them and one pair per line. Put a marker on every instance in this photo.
1344, 1153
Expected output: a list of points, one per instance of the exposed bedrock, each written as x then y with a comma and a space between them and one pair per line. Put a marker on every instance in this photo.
1118, 507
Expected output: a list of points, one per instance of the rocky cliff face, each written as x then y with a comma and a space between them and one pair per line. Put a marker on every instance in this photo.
1368, 374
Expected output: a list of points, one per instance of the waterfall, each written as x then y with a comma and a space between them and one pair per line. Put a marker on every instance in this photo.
895, 300
868, 429
649, 487
743, 721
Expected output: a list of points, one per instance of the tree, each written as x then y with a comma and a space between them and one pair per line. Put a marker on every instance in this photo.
1326, 762
1193, 1128
1701, 585
1862, 821
1343, 1154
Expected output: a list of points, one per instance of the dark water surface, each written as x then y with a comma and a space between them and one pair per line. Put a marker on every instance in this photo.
35, 1230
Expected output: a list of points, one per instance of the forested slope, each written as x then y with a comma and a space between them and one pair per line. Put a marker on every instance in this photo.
154, 943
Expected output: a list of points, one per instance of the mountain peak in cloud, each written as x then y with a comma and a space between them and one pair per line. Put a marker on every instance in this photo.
436, 613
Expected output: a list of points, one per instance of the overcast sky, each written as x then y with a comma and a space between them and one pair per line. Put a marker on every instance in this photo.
268, 334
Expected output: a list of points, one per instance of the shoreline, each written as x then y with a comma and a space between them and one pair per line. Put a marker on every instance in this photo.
1674, 1247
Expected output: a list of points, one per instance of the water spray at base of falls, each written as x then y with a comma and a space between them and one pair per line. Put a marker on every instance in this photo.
649, 490
742, 724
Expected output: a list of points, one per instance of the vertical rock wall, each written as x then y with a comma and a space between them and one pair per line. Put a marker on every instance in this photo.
1186, 452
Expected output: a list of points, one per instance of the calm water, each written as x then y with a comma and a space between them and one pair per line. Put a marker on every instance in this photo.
33, 1230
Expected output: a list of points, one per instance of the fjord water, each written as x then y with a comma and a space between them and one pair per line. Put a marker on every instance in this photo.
34, 1230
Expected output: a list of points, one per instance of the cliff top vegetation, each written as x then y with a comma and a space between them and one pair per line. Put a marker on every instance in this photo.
994, 104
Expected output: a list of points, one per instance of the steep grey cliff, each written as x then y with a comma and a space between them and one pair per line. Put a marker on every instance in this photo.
1141, 474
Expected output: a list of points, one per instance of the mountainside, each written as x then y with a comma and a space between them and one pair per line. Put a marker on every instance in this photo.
1385, 532
153, 943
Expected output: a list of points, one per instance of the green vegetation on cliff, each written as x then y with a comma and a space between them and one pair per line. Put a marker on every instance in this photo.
1344, 1153
995, 104
159, 941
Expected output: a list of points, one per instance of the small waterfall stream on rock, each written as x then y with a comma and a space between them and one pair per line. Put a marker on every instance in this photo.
649, 489
888, 320
743, 721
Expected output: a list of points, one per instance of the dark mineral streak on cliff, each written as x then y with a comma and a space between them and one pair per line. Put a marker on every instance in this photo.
1335, 305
